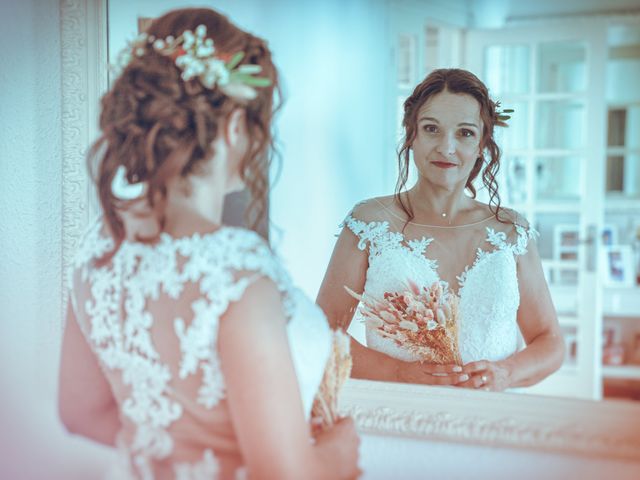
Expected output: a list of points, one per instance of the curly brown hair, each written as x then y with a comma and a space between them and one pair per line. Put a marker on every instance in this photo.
454, 80
159, 126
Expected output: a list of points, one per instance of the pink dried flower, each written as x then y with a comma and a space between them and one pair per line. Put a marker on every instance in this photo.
422, 320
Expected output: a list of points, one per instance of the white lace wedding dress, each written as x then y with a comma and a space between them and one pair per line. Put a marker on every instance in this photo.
151, 316
478, 259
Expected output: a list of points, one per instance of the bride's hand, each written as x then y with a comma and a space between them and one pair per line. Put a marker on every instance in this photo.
339, 445
430, 374
486, 375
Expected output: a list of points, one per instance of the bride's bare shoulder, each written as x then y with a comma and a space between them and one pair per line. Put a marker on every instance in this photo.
506, 216
513, 217
508, 222
374, 209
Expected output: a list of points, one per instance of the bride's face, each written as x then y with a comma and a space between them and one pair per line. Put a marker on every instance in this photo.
447, 141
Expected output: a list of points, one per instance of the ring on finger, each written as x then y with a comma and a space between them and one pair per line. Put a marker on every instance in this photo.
484, 379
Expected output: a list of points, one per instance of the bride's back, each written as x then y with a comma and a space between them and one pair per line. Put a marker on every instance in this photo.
151, 316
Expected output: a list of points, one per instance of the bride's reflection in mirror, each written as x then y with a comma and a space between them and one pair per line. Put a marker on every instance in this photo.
566, 82
451, 290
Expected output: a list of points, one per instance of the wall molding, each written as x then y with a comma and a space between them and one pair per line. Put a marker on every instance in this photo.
84, 79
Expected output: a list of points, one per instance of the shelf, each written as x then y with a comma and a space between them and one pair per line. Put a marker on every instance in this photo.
565, 300
617, 302
621, 302
568, 368
625, 372
568, 321
621, 204
561, 264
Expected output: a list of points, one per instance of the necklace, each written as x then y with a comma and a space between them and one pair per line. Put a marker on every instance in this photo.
444, 215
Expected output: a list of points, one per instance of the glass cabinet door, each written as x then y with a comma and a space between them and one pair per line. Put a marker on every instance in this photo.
551, 76
621, 234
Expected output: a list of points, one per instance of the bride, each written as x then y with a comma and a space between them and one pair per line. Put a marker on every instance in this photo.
437, 231
186, 345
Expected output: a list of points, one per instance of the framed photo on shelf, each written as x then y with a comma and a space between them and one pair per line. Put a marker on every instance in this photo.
609, 235
613, 352
566, 242
571, 347
634, 354
617, 266
611, 333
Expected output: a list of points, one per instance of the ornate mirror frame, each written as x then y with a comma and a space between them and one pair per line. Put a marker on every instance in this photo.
561, 425
605, 429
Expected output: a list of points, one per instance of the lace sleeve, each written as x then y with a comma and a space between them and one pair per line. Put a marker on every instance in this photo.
252, 258
367, 233
523, 235
516, 241
235, 262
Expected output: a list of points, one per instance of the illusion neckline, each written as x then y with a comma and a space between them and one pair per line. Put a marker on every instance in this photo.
432, 226
433, 264
412, 246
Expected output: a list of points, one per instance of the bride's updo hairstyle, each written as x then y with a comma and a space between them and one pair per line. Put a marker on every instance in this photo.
157, 125
455, 81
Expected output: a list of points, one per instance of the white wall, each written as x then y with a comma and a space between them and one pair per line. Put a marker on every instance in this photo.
30, 190
332, 127
32, 441
385, 458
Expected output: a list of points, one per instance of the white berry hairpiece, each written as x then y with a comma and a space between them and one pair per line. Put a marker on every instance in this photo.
195, 55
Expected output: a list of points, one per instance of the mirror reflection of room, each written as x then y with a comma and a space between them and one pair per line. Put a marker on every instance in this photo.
569, 165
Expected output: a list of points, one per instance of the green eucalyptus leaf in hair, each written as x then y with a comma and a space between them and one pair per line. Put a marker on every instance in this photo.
249, 69
258, 81
249, 80
235, 60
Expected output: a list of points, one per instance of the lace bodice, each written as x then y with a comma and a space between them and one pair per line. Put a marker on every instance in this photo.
487, 286
151, 316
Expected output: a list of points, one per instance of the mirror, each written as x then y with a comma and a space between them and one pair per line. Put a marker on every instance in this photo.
354, 130
339, 129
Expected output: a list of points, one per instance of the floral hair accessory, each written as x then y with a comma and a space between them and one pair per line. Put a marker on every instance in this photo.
502, 114
122, 189
195, 55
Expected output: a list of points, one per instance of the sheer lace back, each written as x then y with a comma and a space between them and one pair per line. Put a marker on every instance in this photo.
151, 316
476, 261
